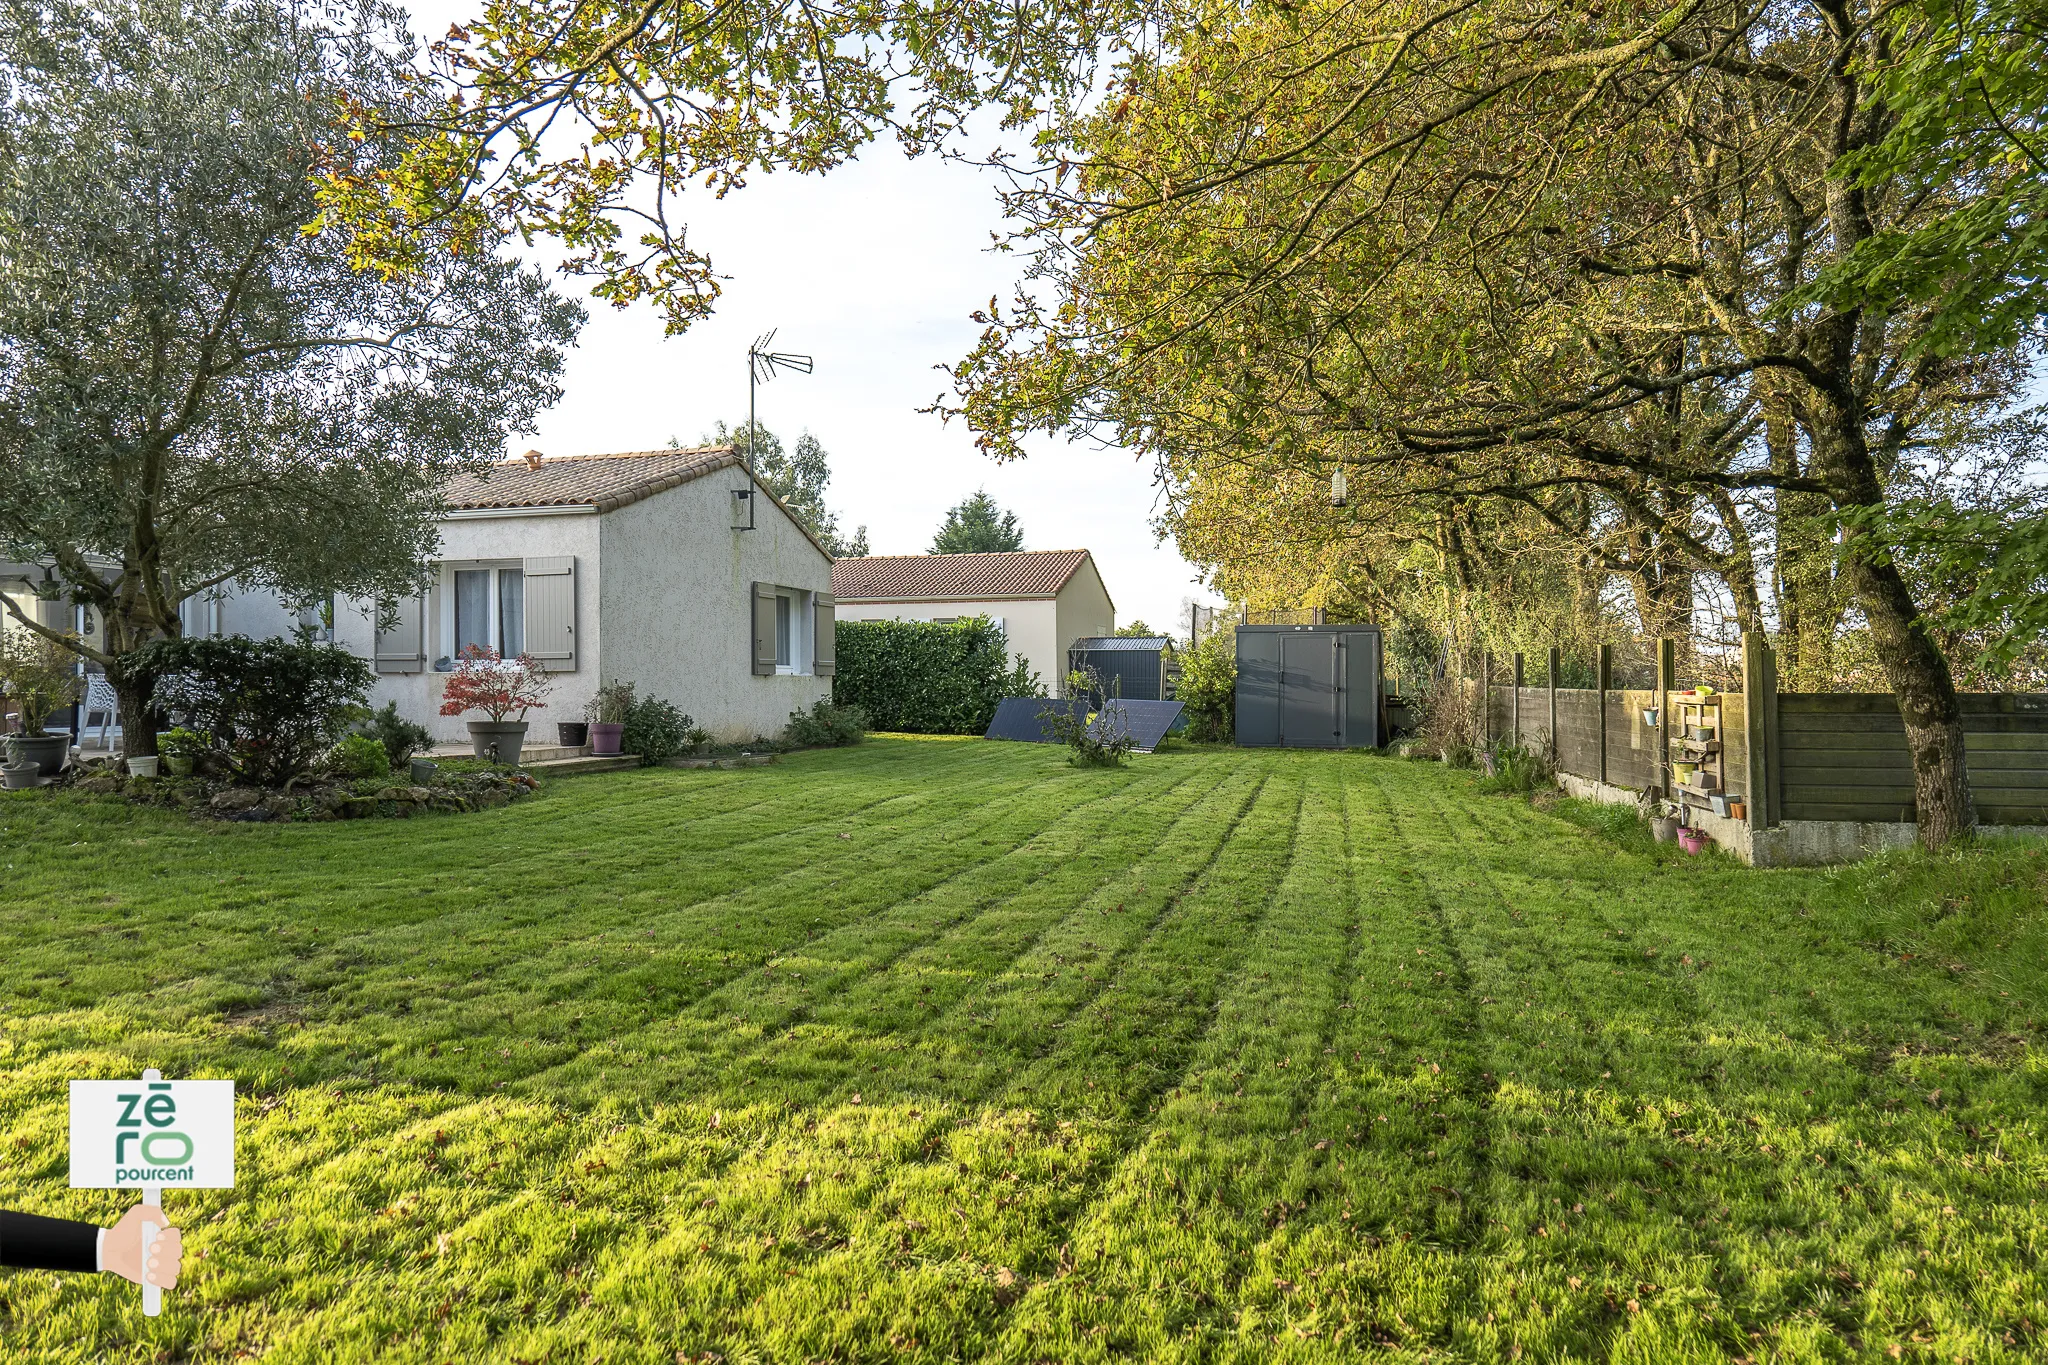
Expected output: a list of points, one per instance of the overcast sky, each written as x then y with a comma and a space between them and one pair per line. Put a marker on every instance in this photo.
874, 271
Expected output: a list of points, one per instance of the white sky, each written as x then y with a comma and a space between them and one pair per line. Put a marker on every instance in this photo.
874, 271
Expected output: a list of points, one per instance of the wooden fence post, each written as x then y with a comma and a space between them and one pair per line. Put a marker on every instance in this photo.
1604, 679
1516, 718
1667, 665
1486, 696
1760, 718
1553, 705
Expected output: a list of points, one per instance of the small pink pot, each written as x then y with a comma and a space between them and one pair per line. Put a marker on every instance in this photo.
1692, 841
604, 739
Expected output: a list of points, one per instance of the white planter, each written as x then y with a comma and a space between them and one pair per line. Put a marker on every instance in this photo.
142, 767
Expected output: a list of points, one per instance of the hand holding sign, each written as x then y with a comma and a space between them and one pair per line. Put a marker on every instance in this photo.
123, 1254
149, 1134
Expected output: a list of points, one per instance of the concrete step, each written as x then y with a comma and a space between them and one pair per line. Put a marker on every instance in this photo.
529, 754
563, 767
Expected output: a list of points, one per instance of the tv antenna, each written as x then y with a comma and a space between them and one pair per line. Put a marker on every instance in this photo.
762, 363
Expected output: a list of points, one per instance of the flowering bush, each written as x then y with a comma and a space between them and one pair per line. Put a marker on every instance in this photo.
497, 687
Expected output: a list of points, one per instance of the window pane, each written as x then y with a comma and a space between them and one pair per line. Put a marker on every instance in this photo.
783, 616
472, 609
511, 612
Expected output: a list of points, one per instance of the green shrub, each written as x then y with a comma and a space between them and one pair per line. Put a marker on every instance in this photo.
1516, 770
1094, 739
926, 678
1207, 690
400, 737
183, 743
279, 704
825, 725
656, 730
358, 756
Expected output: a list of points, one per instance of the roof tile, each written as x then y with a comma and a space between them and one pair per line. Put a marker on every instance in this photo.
603, 481
946, 578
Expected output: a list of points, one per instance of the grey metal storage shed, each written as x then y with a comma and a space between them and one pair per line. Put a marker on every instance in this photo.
1141, 666
1309, 687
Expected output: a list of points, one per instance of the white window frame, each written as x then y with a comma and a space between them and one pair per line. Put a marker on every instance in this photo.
443, 607
802, 644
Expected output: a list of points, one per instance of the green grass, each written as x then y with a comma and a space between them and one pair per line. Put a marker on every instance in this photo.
937, 1050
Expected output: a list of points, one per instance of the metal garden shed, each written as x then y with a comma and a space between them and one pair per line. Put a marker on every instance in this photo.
1309, 687
1138, 667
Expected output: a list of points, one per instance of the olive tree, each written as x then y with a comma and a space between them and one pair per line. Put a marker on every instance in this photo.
196, 389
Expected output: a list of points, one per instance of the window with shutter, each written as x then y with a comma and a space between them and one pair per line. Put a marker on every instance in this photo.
825, 618
765, 598
401, 639
548, 586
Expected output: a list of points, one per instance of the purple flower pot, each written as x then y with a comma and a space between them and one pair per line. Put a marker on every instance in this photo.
604, 738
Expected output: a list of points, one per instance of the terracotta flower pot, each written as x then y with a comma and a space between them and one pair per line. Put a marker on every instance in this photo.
505, 736
604, 738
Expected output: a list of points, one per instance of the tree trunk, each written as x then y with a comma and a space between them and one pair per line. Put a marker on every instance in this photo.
1926, 693
1914, 666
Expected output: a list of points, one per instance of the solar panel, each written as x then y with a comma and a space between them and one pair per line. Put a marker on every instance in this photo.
1017, 718
1146, 722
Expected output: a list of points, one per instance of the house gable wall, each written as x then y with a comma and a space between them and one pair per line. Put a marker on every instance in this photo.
676, 599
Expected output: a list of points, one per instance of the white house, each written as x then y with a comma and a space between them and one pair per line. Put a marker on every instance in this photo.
1044, 599
671, 569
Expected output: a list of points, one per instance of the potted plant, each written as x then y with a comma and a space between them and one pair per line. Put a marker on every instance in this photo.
143, 766
18, 776
180, 750
39, 676
1692, 840
504, 690
607, 715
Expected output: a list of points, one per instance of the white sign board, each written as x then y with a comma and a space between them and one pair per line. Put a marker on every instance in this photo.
152, 1134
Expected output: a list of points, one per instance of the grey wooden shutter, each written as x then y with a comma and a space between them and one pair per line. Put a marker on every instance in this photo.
824, 652
401, 639
551, 611
764, 629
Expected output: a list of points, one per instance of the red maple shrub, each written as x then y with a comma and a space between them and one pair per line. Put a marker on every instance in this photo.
482, 681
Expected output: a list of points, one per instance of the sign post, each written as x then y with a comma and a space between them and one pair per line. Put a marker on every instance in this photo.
150, 1135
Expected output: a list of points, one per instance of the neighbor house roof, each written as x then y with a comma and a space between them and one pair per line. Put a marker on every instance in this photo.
602, 483
955, 578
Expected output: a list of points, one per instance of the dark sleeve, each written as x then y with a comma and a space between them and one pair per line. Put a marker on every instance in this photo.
29, 1241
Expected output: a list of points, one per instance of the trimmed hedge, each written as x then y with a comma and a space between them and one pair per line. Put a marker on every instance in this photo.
928, 679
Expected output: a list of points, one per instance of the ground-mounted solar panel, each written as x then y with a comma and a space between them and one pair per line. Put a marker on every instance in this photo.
1017, 718
1146, 722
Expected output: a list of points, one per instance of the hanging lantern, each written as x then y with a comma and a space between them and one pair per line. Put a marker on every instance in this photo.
1339, 488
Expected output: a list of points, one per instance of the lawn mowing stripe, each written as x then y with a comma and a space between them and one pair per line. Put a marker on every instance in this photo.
911, 1134
1043, 1321
771, 1011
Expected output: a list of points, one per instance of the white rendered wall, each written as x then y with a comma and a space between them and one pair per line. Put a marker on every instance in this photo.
677, 601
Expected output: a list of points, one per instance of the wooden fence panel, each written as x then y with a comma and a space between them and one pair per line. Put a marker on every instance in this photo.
1631, 745
1578, 731
1734, 745
1497, 710
1844, 757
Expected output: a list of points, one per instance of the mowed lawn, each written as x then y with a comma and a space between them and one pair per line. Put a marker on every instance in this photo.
944, 1051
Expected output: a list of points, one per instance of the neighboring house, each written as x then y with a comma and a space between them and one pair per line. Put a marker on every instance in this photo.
1044, 599
670, 569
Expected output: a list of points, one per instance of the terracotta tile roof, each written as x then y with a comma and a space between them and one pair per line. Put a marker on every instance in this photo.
601, 481
955, 578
